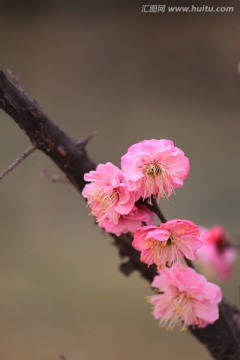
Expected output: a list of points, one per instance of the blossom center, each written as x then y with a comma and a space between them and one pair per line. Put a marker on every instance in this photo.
179, 311
170, 241
103, 202
152, 170
157, 180
156, 245
163, 253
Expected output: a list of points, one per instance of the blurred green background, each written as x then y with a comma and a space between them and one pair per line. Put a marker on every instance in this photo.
107, 67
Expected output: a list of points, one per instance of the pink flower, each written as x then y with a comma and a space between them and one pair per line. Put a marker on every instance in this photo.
186, 298
216, 255
107, 194
167, 243
130, 222
155, 167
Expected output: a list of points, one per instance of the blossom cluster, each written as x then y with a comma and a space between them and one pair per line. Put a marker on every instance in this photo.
121, 200
149, 168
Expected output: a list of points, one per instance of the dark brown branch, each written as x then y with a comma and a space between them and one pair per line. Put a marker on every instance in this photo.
71, 157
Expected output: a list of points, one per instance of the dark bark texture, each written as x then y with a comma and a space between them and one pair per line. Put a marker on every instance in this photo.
223, 337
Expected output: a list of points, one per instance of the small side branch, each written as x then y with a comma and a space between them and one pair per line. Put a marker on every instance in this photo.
54, 178
62, 357
18, 161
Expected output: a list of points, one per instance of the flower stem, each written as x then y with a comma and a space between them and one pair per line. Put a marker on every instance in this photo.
157, 209
154, 207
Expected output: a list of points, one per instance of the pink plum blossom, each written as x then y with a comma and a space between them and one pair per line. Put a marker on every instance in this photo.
167, 243
107, 193
130, 222
155, 167
216, 255
185, 298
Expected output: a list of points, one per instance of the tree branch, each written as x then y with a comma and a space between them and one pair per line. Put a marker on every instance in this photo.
71, 157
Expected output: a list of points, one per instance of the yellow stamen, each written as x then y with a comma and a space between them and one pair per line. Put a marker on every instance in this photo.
179, 310
164, 253
104, 202
152, 170
157, 180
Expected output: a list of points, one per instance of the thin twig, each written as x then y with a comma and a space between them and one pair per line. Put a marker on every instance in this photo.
62, 357
54, 177
235, 246
18, 161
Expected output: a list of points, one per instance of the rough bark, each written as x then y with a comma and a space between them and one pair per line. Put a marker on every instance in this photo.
223, 337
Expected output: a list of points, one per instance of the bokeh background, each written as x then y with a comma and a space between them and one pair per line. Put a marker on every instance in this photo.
107, 67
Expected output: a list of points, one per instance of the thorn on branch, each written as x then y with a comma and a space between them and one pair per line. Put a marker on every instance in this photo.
18, 161
81, 144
